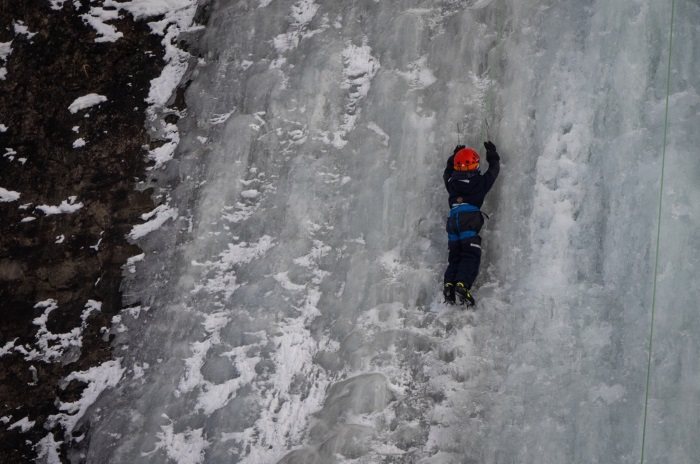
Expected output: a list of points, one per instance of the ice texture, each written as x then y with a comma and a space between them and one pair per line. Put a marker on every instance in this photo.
294, 297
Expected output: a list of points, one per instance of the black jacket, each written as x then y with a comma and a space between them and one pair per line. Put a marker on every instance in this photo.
470, 186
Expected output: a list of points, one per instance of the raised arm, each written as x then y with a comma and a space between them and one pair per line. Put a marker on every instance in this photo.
494, 164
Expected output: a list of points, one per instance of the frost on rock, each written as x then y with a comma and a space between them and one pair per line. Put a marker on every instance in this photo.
86, 101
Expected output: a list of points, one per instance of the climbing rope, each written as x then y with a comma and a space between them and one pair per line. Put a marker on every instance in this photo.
658, 233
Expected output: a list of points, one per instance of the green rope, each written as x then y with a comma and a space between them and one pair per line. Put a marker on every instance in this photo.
658, 233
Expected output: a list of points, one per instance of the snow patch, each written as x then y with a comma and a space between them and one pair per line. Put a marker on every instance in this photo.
185, 448
164, 153
287, 284
48, 449
86, 101
23, 424
97, 17
302, 14
5, 50
50, 346
66, 207
21, 29
98, 379
224, 278
162, 213
79, 143
131, 262
90, 307
7, 348
8, 195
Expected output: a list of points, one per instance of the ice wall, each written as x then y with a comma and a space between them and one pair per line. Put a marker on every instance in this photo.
291, 309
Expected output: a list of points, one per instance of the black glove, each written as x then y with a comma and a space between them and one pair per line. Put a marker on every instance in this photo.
457, 148
489, 146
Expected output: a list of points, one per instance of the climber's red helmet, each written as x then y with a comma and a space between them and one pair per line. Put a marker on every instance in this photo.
466, 159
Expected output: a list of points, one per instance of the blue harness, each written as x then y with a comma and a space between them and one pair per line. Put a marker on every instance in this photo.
457, 235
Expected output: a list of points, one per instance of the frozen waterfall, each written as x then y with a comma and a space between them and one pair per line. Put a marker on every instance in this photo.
290, 303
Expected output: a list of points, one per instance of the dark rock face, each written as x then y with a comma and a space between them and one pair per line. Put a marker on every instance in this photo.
68, 258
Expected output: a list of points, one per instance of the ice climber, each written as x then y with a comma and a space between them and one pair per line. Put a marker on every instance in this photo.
467, 188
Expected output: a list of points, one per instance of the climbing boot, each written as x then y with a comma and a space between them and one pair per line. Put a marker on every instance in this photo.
464, 296
448, 291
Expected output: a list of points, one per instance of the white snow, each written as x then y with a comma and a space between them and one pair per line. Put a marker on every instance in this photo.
49, 347
131, 262
48, 447
97, 17
90, 307
186, 447
86, 101
164, 153
8, 195
66, 207
23, 424
79, 143
160, 215
98, 379
5, 50
7, 348
21, 29
302, 14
